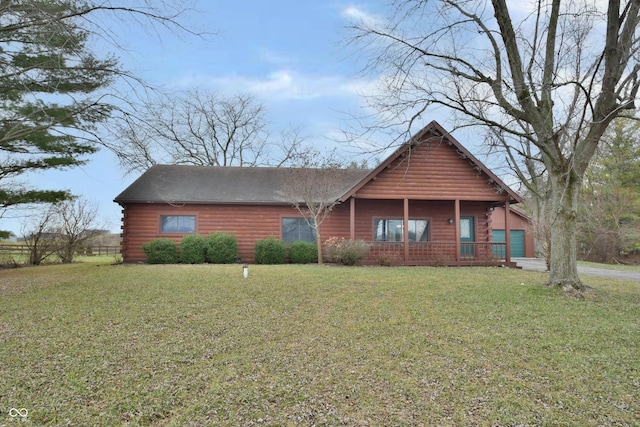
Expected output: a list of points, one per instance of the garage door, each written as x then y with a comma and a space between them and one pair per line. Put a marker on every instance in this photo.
517, 242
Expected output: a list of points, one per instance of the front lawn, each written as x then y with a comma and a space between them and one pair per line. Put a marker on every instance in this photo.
95, 344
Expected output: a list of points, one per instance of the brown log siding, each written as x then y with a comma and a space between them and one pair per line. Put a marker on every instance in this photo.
433, 171
250, 223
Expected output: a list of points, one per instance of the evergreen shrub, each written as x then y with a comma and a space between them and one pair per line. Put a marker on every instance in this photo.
302, 252
193, 249
161, 251
270, 251
222, 248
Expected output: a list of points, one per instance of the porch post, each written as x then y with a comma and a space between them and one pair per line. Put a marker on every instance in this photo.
457, 225
406, 231
507, 231
352, 218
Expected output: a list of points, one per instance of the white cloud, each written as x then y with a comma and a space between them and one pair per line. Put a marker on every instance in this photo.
272, 57
282, 84
355, 13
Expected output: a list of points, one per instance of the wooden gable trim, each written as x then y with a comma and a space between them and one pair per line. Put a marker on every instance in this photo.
435, 129
521, 214
373, 175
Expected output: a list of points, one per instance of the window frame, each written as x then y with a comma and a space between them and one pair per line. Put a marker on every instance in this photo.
401, 221
299, 219
161, 217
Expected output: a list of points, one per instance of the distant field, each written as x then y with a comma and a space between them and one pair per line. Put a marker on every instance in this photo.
93, 344
12, 253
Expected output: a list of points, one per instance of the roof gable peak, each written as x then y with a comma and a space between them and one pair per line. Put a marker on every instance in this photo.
430, 133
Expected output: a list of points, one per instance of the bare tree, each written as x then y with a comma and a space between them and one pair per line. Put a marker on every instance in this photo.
39, 237
75, 223
313, 188
544, 79
540, 226
61, 229
203, 128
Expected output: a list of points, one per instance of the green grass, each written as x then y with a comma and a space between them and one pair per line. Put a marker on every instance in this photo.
94, 344
621, 267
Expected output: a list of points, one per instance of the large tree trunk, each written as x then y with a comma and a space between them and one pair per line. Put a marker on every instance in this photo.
563, 270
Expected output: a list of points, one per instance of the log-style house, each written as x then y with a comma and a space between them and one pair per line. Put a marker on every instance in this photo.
430, 203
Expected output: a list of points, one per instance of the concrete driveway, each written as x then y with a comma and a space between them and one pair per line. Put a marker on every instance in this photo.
538, 264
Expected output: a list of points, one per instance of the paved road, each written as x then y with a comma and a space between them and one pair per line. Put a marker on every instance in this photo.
537, 264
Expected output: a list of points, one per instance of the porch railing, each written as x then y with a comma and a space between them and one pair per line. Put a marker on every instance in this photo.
438, 253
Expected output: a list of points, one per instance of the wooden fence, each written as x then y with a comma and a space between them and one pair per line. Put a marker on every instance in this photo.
86, 250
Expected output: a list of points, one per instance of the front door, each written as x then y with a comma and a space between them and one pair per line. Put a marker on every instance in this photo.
467, 236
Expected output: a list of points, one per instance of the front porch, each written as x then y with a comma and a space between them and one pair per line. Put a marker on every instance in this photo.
438, 254
429, 232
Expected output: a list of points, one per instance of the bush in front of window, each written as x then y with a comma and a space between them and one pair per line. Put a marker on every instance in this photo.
193, 249
222, 248
345, 252
302, 252
270, 251
387, 258
161, 251
331, 248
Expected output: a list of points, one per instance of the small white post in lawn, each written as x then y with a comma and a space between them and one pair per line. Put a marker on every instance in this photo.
245, 271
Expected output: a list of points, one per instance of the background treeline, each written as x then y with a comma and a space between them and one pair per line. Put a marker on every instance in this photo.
609, 215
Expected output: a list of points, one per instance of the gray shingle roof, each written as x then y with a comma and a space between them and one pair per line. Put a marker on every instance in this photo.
217, 184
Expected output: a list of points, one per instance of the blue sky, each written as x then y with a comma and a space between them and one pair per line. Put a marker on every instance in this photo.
290, 54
